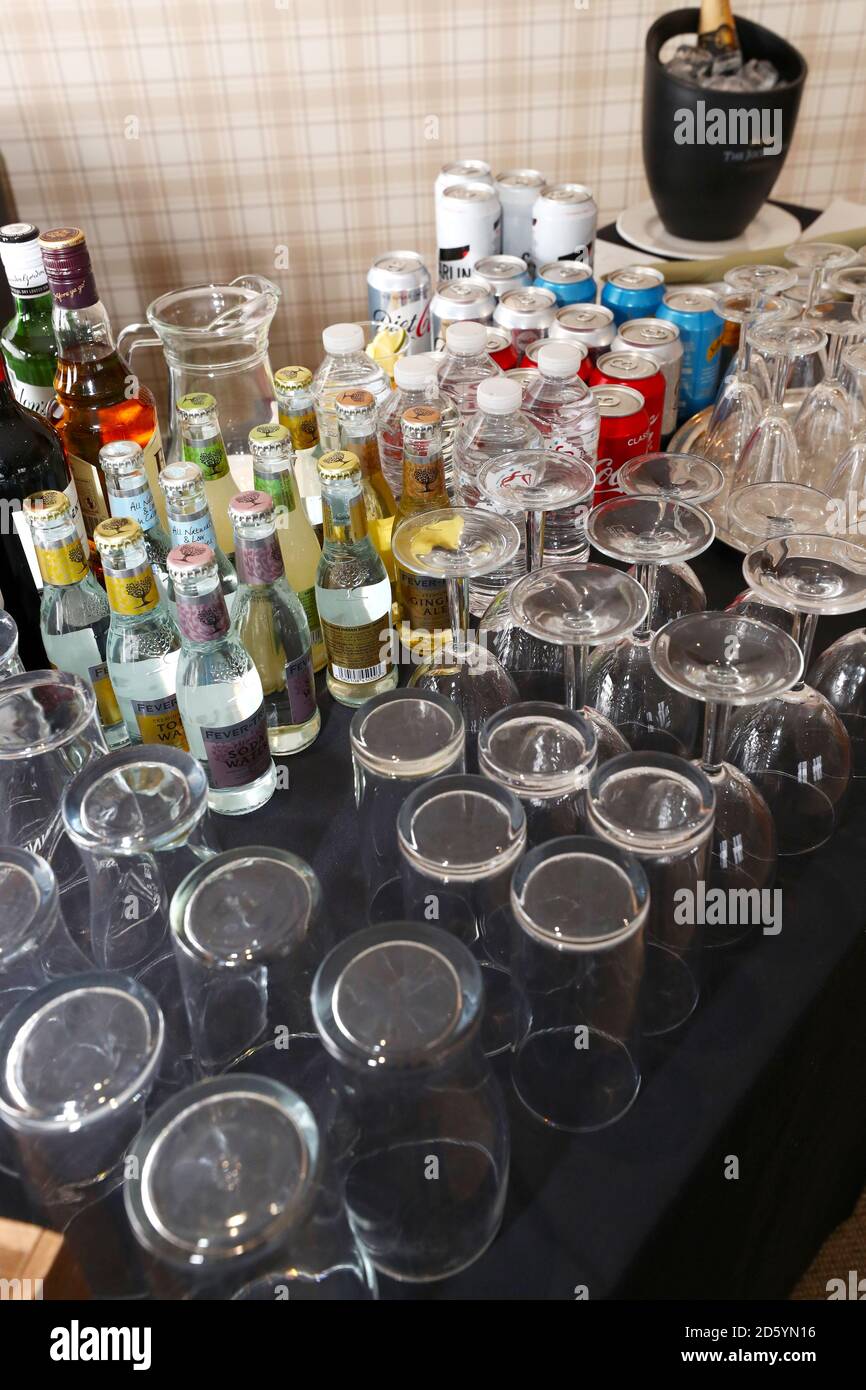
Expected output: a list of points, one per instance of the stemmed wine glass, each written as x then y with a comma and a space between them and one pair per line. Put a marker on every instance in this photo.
818, 259
531, 482
824, 421
681, 478
851, 279
853, 376
725, 659
794, 745
762, 512
771, 453
621, 682
457, 544
575, 607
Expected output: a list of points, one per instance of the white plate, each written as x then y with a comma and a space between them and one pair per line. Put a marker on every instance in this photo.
642, 227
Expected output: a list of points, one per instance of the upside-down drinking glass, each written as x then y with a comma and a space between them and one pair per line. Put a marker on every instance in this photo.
771, 453
545, 754
35, 945
825, 419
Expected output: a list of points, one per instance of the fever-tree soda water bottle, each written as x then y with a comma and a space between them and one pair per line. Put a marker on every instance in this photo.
272, 624
203, 445
75, 615
423, 600
295, 409
190, 521
273, 473
143, 643
219, 690
353, 592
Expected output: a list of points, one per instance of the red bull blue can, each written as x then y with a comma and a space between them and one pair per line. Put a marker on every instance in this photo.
571, 282
701, 330
635, 292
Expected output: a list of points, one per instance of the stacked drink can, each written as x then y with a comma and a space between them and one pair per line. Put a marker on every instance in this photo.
564, 223
399, 290
518, 189
634, 292
659, 340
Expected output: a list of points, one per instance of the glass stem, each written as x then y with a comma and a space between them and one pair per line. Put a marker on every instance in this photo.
647, 577
834, 355
575, 661
804, 636
715, 732
815, 279
458, 612
534, 541
779, 378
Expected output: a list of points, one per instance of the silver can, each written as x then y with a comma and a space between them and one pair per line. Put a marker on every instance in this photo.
399, 290
589, 324
468, 228
518, 190
564, 222
527, 314
460, 301
461, 171
660, 340
503, 273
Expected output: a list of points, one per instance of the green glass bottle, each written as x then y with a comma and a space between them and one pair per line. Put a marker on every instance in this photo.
27, 341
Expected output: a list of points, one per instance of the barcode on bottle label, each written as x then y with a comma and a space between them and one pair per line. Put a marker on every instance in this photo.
357, 676
359, 654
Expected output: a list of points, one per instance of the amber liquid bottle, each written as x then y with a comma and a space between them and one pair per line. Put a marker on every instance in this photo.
101, 399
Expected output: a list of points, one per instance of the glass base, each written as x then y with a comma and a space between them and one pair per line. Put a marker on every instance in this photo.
294, 738
575, 1089
670, 991
743, 856
346, 693
237, 801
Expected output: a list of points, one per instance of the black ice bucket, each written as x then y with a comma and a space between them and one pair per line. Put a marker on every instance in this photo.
708, 191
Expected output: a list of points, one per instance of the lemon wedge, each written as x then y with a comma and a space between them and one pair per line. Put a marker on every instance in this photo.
439, 535
386, 346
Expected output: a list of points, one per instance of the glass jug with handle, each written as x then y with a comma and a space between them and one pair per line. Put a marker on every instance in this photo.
215, 339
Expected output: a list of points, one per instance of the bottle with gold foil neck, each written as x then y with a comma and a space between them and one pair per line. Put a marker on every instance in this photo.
356, 416
353, 592
717, 31
296, 410
143, 641
74, 613
203, 445
423, 601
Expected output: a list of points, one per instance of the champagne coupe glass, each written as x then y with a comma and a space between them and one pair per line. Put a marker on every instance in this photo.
794, 745
771, 453
455, 544
576, 607
621, 682
725, 659
530, 482
815, 260
682, 478
824, 421
851, 280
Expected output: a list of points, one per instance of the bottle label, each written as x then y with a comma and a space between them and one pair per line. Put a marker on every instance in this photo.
425, 600
132, 592
337, 530
89, 486
63, 562
301, 688
258, 561
308, 603
355, 654
209, 456
303, 428
159, 721
193, 528
25, 534
424, 477
136, 502
280, 486
202, 617
40, 399
238, 753
106, 701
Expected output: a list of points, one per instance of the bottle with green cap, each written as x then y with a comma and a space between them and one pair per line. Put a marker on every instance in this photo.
203, 445
294, 391
273, 473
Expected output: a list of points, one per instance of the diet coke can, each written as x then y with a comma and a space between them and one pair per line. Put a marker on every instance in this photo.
398, 292
590, 324
659, 340
564, 220
501, 348
503, 273
531, 351
461, 171
459, 301
526, 313
633, 369
468, 228
623, 434
518, 190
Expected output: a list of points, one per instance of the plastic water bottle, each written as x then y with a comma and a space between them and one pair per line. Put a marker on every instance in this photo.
498, 427
465, 363
565, 412
345, 367
417, 383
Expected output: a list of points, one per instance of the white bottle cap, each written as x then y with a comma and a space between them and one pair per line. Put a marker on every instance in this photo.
343, 337
466, 337
414, 373
559, 359
499, 396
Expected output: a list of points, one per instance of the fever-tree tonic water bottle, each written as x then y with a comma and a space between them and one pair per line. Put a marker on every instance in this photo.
293, 387
219, 690
143, 642
272, 624
353, 592
356, 412
190, 521
203, 445
129, 494
423, 600
273, 473
75, 615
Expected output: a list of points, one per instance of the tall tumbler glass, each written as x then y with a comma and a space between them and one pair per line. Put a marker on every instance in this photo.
399, 1009
460, 838
78, 1058
545, 754
399, 740
35, 946
230, 1195
660, 808
580, 907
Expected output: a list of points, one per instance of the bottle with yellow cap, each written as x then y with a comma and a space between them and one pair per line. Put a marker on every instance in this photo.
74, 613
356, 413
423, 601
353, 592
295, 409
203, 445
143, 641
273, 473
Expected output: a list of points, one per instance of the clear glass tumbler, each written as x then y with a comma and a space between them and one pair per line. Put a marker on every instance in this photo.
545, 754
399, 1009
399, 740
229, 1195
660, 808
35, 946
580, 906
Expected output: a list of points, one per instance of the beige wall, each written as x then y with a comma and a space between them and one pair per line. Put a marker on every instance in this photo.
307, 124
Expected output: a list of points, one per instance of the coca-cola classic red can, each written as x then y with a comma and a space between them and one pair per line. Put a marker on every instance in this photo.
624, 433
631, 369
